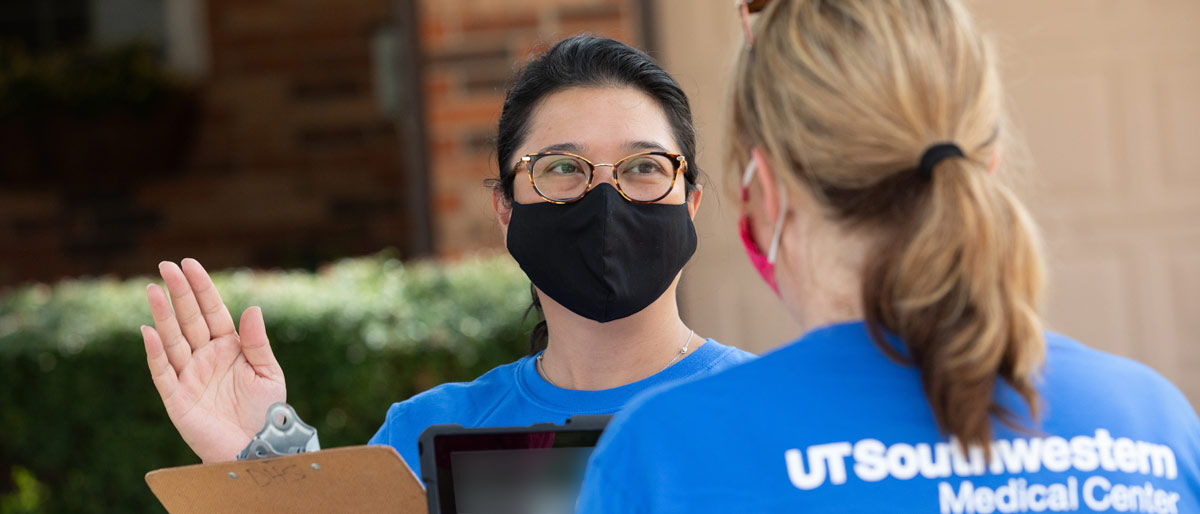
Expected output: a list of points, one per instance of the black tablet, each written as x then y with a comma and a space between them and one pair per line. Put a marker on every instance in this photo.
536, 469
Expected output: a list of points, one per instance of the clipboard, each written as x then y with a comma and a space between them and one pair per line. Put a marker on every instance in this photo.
355, 479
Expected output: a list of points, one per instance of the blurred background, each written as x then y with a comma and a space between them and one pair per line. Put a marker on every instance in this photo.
347, 142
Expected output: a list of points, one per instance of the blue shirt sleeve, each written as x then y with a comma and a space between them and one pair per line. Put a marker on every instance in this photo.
397, 432
384, 434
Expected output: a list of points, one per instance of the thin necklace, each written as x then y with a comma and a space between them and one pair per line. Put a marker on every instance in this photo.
542, 370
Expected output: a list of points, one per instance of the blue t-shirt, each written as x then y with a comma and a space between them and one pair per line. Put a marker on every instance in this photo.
515, 394
829, 424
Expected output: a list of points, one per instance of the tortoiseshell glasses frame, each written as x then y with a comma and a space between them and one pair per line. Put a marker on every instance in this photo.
678, 163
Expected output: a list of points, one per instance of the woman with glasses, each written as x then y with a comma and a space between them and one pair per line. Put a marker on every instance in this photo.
871, 134
596, 194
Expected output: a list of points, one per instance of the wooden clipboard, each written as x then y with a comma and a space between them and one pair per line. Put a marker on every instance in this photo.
355, 479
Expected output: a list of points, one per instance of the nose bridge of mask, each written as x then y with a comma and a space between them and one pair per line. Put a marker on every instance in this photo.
610, 266
596, 186
595, 209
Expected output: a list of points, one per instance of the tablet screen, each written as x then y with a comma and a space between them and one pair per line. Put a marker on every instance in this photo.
512, 473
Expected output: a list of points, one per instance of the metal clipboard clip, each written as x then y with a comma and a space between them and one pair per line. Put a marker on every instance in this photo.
283, 434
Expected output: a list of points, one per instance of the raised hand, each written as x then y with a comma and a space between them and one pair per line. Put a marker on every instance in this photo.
215, 382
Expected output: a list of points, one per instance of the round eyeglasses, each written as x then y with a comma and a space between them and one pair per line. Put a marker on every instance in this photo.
561, 177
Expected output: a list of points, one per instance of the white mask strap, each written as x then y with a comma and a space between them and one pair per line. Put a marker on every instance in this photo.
778, 235
748, 175
775, 239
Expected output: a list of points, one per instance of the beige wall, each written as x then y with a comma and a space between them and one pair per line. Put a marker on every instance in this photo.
722, 295
1107, 95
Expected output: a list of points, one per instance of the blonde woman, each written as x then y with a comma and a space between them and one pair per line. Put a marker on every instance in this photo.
871, 132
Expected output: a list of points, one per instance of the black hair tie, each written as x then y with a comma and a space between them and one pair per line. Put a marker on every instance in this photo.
934, 154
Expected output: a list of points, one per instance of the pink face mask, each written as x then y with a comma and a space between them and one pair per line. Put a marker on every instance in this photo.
765, 264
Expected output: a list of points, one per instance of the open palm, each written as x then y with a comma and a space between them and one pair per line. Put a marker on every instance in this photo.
215, 381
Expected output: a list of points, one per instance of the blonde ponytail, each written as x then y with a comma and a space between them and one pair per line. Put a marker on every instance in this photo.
958, 283
847, 96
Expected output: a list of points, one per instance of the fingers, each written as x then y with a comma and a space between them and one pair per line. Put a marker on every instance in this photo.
175, 346
216, 315
164, 375
256, 347
187, 310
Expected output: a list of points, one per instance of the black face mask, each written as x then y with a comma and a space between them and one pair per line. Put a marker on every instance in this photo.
602, 257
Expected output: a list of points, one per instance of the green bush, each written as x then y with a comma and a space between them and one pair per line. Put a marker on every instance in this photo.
83, 81
81, 422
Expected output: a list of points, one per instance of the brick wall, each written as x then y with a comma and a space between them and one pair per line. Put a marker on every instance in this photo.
472, 49
284, 156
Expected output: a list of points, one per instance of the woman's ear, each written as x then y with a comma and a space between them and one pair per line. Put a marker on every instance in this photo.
693, 200
503, 208
768, 185
995, 161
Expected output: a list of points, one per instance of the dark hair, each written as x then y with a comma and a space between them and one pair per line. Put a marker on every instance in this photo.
586, 61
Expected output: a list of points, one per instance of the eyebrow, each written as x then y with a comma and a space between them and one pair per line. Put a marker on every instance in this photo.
645, 145
577, 148
572, 147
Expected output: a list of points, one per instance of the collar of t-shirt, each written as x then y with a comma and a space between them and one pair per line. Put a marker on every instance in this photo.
607, 401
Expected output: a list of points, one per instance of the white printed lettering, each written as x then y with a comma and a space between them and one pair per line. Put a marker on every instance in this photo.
963, 466
1006, 495
1104, 448
869, 464
1144, 451
1037, 497
1089, 493
934, 462
985, 501
1125, 453
1016, 456
952, 503
1019, 496
1162, 460
902, 461
815, 475
1083, 450
1056, 454
873, 461
835, 456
